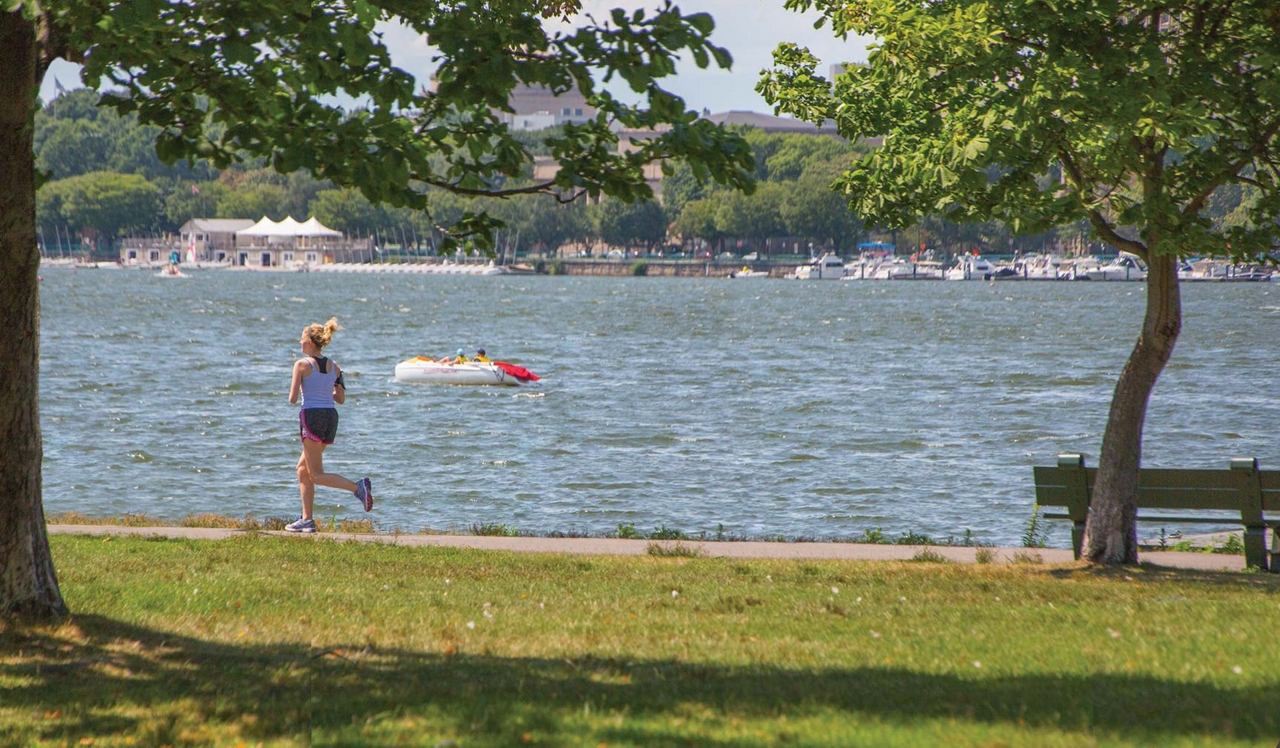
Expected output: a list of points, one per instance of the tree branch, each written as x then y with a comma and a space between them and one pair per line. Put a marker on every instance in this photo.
1074, 172
1233, 170
1196, 204
566, 200
1114, 238
1103, 227
1037, 46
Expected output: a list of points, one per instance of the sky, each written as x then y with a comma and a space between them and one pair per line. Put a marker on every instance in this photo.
749, 29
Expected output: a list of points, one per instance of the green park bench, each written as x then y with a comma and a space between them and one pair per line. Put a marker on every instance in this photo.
1241, 488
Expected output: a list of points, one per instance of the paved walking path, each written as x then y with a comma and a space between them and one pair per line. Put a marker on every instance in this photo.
706, 548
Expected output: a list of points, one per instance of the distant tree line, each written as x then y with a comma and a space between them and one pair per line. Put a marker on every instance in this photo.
104, 181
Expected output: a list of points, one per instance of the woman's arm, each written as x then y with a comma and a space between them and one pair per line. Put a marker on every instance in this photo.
301, 368
339, 389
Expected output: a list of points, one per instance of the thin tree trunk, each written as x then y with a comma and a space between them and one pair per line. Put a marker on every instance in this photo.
1111, 535
28, 585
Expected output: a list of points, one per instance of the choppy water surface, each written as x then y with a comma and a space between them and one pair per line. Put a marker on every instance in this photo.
814, 409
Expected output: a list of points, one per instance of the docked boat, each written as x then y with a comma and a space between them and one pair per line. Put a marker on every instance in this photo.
898, 269
971, 267
1041, 267
927, 270
1247, 273
1125, 267
1206, 269
1006, 272
827, 267
1209, 269
423, 370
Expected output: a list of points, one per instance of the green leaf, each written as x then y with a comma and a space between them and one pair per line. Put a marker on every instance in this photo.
702, 22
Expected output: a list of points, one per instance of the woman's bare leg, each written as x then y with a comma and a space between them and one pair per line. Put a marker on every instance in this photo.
306, 486
313, 456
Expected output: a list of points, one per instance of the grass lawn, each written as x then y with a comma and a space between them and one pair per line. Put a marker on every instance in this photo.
293, 641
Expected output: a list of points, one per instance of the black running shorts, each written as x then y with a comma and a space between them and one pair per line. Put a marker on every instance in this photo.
318, 424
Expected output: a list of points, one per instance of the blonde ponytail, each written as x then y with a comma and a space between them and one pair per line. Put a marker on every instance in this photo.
322, 335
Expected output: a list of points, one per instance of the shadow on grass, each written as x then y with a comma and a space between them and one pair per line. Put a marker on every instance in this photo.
1149, 571
97, 678
113, 679
494, 695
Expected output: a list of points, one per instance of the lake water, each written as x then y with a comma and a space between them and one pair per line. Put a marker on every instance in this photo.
768, 407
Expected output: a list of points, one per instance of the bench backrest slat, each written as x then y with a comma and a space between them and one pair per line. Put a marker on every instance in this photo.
1222, 497
1192, 478
1054, 495
1269, 482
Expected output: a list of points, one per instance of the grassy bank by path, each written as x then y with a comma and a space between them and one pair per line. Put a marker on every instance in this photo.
295, 641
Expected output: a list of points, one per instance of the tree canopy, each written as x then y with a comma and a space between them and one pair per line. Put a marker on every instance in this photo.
1132, 115
73, 136
101, 203
240, 80
255, 79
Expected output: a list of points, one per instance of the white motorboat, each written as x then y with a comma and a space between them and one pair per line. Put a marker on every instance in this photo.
1125, 267
1248, 273
1078, 268
1041, 267
1206, 269
747, 272
1209, 269
827, 267
971, 267
422, 370
919, 270
898, 269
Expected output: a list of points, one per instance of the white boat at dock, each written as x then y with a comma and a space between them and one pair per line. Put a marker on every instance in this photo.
827, 267
1041, 267
1247, 273
971, 267
889, 268
1125, 267
1219, 271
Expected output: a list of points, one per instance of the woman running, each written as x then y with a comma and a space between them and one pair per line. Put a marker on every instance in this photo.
319, 381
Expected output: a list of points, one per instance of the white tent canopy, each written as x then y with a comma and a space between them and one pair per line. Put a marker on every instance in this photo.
288, 229
313, 227
265, 227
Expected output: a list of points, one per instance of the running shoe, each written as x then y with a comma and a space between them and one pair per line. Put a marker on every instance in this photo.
301, 525
364, 492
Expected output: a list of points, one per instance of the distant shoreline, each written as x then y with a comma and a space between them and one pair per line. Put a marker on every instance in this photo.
640, 266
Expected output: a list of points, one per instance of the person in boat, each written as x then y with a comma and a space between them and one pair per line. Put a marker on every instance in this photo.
318, 380
481, 358
459, 358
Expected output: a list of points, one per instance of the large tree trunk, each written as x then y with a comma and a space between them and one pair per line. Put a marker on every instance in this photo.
1111, 535
28, 585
